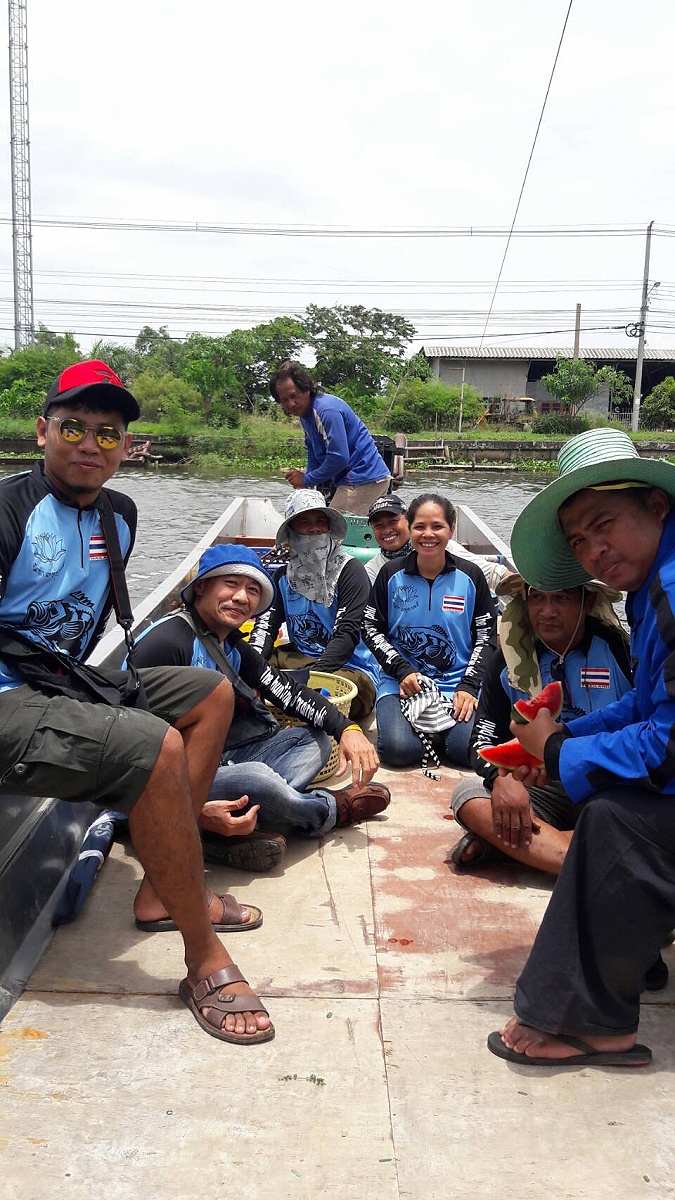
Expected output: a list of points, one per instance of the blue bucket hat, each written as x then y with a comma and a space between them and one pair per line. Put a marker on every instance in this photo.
232, 560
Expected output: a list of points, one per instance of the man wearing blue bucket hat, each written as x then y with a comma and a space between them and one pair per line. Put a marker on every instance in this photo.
268, 767
609, 515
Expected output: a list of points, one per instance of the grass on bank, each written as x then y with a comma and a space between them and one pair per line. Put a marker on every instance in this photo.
260, 444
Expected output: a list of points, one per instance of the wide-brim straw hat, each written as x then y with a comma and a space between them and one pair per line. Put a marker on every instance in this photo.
304, 500
538, 545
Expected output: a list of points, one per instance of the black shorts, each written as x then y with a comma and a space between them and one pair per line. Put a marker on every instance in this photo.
54, 746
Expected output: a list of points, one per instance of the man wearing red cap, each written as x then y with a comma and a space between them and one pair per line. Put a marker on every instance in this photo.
156, 764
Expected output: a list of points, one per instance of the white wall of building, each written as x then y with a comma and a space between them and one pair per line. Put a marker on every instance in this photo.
488, 377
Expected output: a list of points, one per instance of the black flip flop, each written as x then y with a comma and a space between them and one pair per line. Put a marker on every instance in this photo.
637, 1056
486, 854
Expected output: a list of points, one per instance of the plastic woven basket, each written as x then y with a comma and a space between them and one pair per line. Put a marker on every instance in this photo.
341, 693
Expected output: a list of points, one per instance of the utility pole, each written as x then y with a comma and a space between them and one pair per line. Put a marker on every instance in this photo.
461, 402
637, 394
577, 332
22, 247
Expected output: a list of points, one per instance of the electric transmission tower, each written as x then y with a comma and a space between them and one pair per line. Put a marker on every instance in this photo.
24, 323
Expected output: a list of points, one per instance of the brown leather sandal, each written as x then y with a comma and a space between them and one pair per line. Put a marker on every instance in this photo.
230, 917
210, 994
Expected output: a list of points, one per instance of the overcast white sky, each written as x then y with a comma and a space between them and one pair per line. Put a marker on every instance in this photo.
361, 114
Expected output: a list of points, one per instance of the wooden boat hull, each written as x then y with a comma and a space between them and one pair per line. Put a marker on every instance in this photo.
41, 838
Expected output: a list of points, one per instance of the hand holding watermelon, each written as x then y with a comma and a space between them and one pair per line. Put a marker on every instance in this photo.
533, 721
551, 699
509, 756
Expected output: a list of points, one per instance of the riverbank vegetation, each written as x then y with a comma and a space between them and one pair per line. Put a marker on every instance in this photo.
206, 399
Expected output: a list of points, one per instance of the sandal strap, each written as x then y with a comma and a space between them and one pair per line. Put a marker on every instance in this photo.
231, 914
219, 979
231, 909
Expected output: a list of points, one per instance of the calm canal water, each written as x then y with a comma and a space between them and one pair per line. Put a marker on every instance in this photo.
175, 507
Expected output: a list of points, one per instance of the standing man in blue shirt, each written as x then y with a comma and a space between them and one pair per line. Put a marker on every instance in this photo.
341, 453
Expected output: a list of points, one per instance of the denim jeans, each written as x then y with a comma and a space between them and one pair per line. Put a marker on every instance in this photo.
399, 746
274, 773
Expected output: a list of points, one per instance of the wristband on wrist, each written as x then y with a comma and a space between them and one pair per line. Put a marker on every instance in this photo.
354, 725
552, 748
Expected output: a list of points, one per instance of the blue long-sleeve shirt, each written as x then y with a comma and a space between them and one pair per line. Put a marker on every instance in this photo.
340, 450
633, 740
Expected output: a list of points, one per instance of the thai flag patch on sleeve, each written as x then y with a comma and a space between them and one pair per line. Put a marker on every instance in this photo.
455, 604
97, 546
595, 677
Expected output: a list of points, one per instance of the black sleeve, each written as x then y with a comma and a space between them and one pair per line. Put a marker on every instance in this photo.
493, 718
267, 625
376, 624
483, 630
552, 747
166, 644
290, 697
18, 496
353, 590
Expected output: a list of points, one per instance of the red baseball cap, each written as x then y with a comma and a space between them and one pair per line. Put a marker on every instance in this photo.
97, 383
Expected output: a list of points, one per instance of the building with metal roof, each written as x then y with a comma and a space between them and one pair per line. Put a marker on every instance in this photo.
504, 373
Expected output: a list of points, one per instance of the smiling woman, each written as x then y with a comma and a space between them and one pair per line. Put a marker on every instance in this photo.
432, 615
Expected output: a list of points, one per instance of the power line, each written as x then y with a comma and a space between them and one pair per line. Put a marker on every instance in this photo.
527, 169
262, 229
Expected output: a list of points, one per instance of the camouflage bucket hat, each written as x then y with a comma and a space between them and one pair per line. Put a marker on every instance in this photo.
516, 635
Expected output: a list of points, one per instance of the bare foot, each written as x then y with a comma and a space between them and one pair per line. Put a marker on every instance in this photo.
535, 1044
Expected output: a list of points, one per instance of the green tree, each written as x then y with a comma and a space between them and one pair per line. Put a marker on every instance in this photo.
26, 375
166, 398
356, 346
208, 365
415, 367
432, 405
658, 409
124, 360
572, 383
273, 342
157, 351
56, 341
618, 384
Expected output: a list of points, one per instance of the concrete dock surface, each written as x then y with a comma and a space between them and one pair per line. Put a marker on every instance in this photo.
384, 971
